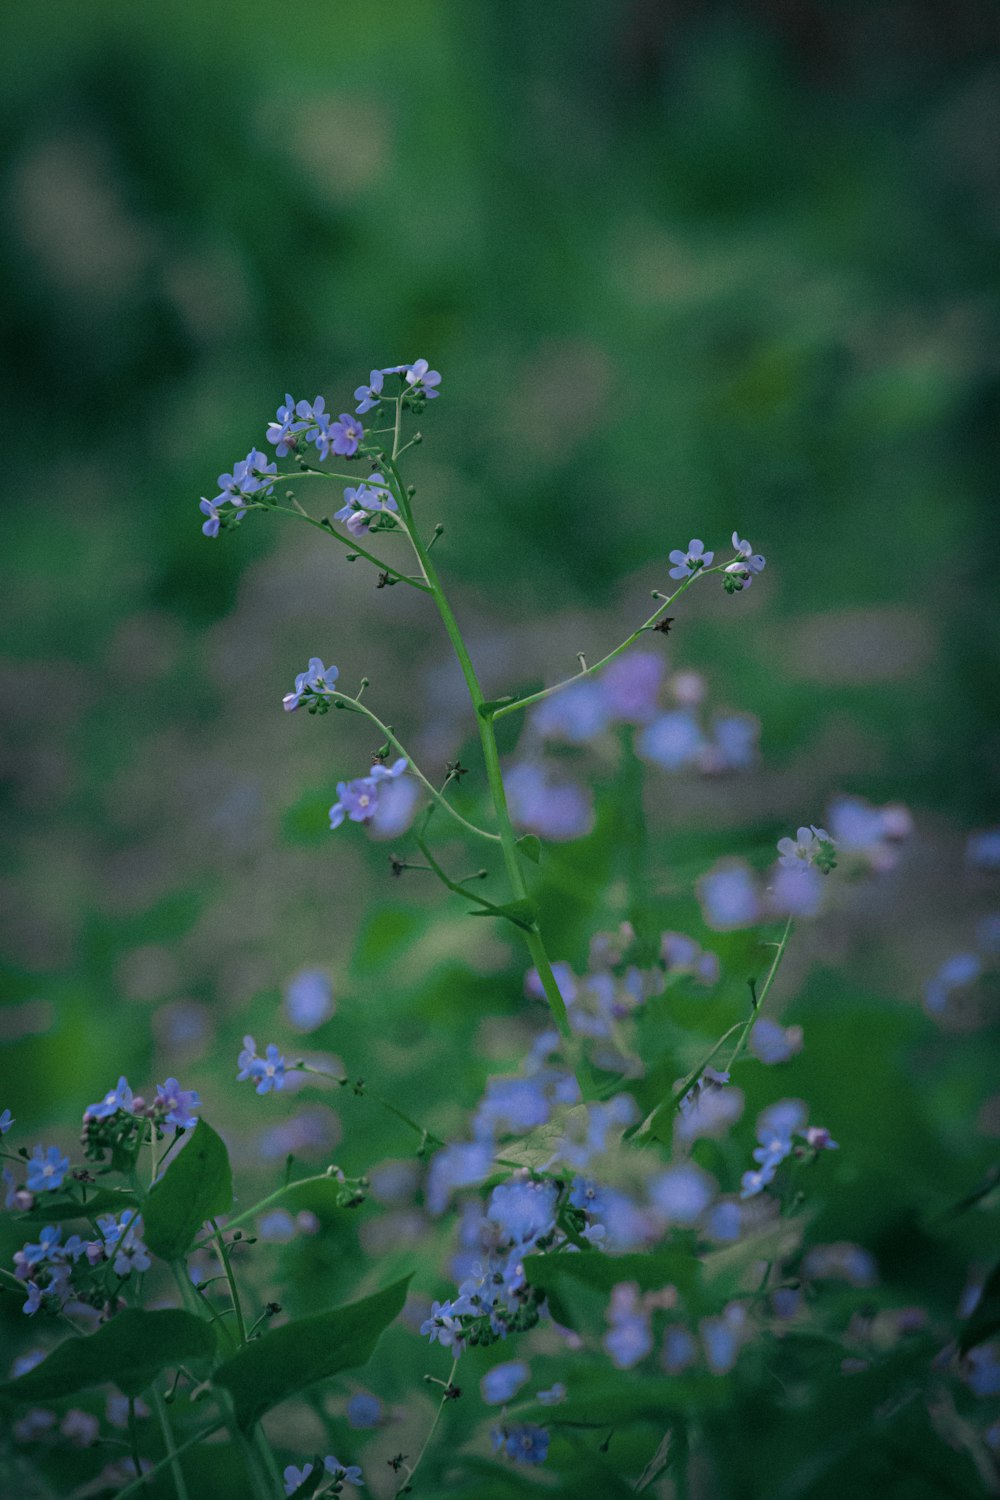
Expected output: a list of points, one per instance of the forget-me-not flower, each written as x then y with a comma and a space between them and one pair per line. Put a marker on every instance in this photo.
46, 1169
692, 561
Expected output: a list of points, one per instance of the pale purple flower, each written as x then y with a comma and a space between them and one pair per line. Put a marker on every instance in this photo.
309, 999
346, 1473
577, 714
317, 680
557, 810
294, 1477
771, 1043
631, 686
810, 846
722, 1337
523, 1210
369, 396
692, 561
751, 560
342, 437
178, 1105
358, 799
796, 891
679, 1349
282, 433
523, 1444
397, 806
267, 1072
210, 509
682, 1193
629, 1338
729, 896
422, 379
671, 741
363, 1410
456, 1166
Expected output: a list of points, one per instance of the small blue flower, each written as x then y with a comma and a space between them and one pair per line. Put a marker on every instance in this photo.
682, 1193
211, 510
6, 1121
342, 437
502, 1383
118, 1098
524, 1444
461, 1165
358, 799
729, 896
178, 1105
294, 1477
267, 1072
346, 1473
554, 1396
363, 1410
421, 379
523, 1210
369, 396
771, 1043
672, 740
317, 680
553, 809
692, 561
283, 433
309, 999
46, 1169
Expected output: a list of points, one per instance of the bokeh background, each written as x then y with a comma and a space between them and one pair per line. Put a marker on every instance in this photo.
685, 267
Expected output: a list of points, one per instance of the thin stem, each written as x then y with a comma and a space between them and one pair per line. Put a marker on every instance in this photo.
356, 706
275, 1197
347, 541
491, 757
169, 1461
133, 1436
758, 1001
411, 1469
220, 1243
176, 1472
266, 1452
661, 608
459, 890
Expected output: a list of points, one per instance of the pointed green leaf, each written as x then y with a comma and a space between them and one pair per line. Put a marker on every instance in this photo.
489, 708
530, 846
130, 1350
521, 913
196, 1186
282, 1363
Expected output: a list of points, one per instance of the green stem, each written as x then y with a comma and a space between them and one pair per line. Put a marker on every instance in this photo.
411, 1469
453, 885
266, 1452
661, 609
356, 706
169, 1461
743, 1037
275, 1197
346, 541
220, 1244
176, 1472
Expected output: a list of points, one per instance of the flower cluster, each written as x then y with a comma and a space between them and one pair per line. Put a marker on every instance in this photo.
251, 480
776, 1128
267, 1072
365, 503
339, 1474
47, 1267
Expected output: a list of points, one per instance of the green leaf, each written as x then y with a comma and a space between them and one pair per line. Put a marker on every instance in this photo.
489, 708
985, 1318
615, 1402
522, 913
130, 1351
103, 1201
282, 1363
196, 1186
530, 846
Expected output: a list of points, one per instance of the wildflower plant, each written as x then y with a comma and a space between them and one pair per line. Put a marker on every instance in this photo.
613, 1200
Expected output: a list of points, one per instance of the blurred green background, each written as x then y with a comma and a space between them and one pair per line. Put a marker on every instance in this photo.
685, 267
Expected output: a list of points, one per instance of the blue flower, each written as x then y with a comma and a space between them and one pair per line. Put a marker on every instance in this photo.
443, 1327
342, 437
363, 1410
421, 379
210, 509
691, 561
314, 415
294, 1477
679, 1349
523, 1210
771, 1043
347, 1474
682, 1193
578, 714
268, 1072
361, 502
721, 1338
46, 1169
6, 1121
283, 433
671, 741
316, 681
118, 1098
457, 1166
370, 395
512, 1106
556, 810
751, 559
810, 846
728, 895
178, 1105
358, 799
631, 686
554, 1396
309, 999
503, 1382
524, 1444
